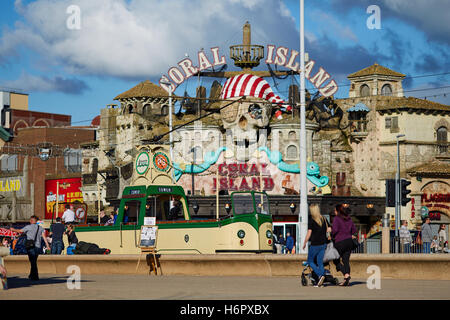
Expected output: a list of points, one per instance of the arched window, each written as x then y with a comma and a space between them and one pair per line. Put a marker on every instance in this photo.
164, 110
291, 153
442, 139
364, 91
147, 109
130, 108
292, 135
386, 90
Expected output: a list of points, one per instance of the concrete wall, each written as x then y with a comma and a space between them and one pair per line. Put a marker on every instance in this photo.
392, 266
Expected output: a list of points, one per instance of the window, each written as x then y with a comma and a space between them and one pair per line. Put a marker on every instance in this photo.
291, 153
262, 203
364, 91
292, 135
387, 123
442, 139
9, 163
243, 203
386, 90
131, 211
72, 160
394, 125
147, 110
164, 110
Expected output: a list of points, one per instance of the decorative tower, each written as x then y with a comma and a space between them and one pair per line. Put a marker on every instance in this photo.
246, 55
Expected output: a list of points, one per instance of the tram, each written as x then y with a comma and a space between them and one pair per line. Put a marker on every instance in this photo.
247, 228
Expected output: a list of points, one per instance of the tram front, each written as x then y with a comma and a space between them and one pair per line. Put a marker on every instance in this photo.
253, 208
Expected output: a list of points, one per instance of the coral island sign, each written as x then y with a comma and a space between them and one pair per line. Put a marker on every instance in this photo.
280, 56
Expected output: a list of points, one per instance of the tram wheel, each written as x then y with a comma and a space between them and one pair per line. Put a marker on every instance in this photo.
336, 281
304, 281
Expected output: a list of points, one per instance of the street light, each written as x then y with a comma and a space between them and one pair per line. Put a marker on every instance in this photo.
397, 196
303, 210
169, 85
195, 206
228, 208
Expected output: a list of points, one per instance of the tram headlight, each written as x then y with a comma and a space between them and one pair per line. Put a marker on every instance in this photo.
241, 234
269, 234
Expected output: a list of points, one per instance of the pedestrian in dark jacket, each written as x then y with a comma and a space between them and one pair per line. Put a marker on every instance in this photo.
56, 232
289, 243
342, 232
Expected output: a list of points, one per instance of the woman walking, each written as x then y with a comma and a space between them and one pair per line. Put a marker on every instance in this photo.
342, 233
317, 233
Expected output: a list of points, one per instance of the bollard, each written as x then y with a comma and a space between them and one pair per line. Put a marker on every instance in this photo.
385, 234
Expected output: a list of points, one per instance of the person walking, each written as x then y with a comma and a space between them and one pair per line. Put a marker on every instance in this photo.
289, 243
317, 233
56, 232
405, 237
442, 237
427, 236
342, 231
34, 234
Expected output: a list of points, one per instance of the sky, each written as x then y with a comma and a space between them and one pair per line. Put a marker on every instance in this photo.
74, 56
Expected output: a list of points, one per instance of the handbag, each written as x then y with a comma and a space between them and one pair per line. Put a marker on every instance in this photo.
31, 244
330, 253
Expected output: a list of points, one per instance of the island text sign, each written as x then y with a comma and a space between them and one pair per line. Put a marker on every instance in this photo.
280, 56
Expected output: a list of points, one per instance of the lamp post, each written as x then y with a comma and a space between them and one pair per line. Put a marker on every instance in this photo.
397, 196
303, 212
169, 85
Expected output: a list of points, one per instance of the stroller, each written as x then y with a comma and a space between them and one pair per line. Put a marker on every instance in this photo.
309, 276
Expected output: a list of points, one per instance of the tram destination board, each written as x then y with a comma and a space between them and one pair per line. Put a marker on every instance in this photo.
148, 236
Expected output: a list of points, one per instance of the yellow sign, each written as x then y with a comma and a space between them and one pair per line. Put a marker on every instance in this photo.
10, 185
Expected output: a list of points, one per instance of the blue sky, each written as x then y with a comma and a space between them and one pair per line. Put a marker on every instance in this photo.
123, 42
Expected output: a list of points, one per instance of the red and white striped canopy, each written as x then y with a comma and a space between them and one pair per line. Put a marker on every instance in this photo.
249, 85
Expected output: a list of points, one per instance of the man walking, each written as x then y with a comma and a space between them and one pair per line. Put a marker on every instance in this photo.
405, 237
34, 233
427, 236
56, 232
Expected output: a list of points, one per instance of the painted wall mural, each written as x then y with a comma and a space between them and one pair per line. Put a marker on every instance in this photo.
268, 171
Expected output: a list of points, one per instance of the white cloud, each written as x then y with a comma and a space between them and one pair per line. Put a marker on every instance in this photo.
138, 38
29, 83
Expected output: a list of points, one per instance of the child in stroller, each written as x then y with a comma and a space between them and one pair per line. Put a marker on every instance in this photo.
309, 276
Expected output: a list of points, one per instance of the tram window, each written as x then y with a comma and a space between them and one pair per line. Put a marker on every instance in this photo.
242, 203
163, 212
131, 211
150, 207
262, 204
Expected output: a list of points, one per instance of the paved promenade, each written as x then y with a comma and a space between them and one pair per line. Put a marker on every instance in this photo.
217, 288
